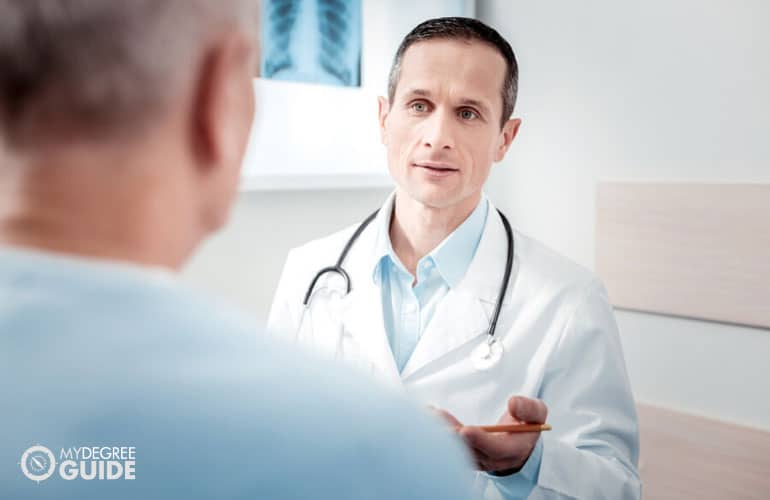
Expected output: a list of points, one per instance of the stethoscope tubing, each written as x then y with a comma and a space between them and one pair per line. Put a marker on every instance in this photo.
339, 269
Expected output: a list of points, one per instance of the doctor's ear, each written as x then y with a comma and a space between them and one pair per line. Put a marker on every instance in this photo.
383, 106
507, 135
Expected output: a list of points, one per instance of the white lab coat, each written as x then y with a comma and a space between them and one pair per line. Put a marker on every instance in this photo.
560, 342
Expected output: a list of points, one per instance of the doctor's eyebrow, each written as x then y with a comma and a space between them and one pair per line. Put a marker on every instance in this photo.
416, 93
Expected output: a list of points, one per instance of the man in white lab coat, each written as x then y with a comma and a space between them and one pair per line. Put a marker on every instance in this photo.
122, 129
426, 274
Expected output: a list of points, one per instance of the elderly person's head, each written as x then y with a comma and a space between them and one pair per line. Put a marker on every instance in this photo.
122, 122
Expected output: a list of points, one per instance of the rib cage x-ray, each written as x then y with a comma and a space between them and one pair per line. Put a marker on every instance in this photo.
313, 41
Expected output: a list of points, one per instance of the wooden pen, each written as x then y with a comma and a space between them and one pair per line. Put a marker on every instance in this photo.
516, 428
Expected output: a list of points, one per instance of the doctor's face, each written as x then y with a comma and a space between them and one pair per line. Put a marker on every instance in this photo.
442, 131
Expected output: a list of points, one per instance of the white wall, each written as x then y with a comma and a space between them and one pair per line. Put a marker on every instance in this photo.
653, 90
609, 90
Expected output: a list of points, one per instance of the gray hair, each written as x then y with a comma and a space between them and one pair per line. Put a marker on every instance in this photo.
462, 28
100, 66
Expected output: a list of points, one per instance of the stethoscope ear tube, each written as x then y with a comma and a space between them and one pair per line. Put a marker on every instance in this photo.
337, 268
331, 269
353, 239
506, 276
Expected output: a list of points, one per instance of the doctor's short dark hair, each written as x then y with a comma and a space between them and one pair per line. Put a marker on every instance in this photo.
461, 28
90, 68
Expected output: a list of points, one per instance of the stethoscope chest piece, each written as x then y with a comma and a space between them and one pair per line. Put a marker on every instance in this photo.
487, 354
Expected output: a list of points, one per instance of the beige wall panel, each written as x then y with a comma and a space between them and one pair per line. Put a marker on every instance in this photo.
689, 457
694, 250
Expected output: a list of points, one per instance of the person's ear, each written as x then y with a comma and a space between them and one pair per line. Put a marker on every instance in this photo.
507, 135
223, 102
382, 113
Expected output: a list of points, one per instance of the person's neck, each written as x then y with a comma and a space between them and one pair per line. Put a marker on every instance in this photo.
102, 211
416, 229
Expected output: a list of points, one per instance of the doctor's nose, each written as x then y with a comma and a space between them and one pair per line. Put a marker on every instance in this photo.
437, 132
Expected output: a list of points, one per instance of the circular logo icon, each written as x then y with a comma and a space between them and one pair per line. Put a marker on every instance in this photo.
38, 463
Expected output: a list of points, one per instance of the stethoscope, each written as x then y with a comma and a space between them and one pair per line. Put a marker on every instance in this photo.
486, 355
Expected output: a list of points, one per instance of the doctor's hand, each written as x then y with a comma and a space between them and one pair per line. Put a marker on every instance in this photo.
502, 453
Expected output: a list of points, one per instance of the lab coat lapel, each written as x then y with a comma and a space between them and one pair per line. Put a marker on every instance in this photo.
465, 312
362, 324
459, 319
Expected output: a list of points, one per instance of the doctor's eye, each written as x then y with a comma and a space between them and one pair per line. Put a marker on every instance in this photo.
468, 114
419, 106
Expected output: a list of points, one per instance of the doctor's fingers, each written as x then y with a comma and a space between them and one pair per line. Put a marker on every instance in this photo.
447, 417
527, 409
498, 445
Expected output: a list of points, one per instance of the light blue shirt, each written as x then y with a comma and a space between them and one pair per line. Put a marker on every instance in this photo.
96, 354
408, 309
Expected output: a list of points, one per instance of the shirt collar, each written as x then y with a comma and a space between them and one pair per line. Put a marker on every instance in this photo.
452, 256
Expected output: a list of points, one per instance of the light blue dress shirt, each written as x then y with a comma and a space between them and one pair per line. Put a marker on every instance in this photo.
98, 354
408, 309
